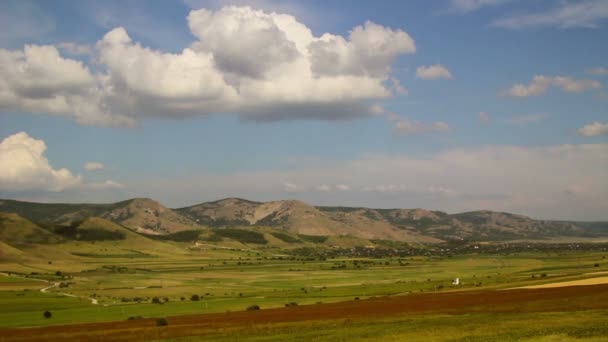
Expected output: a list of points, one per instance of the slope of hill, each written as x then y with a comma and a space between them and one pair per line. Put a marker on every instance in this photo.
296, 217
140, 214
16, 230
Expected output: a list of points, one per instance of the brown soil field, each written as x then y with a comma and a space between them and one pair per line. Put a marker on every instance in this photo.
574, 298
581, 282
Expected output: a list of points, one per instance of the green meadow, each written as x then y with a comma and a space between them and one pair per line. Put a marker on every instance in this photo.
170, 279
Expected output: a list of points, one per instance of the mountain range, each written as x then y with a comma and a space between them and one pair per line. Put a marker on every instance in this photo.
149, 217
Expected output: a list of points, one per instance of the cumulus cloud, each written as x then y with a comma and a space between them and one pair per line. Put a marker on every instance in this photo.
93, 166
39, 80
24, 167
540, 84
405, 126
76, 49
263, 66
433, 72
567, 14
594, 129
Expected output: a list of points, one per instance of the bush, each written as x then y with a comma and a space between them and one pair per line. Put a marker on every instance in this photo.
47, 314
242, 235
183, 236
132, 318
162, 322
292, 304
284, 237
156, 300
195, 298
253, 307
313, 238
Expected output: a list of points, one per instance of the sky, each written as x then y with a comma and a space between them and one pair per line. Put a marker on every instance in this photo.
452, 105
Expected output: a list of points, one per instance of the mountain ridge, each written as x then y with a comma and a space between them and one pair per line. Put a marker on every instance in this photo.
145, 215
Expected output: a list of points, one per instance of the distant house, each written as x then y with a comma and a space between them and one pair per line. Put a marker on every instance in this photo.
456, 281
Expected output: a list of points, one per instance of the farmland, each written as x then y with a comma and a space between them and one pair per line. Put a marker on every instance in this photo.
100, 282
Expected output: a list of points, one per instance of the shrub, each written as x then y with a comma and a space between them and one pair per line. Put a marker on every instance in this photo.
47, 314
132, 318
284, 237
253, 307
242, 235
162, 322
156, 300
195, 298
313, 238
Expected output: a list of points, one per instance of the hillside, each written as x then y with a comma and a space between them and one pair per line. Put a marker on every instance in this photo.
295, 217
16, 230
139, 214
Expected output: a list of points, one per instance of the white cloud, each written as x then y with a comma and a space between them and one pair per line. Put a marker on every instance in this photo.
260, 65
376, 109
76, 49
39, 80
567, 14
466, 6
108, 184
598, 71
324, 188
93, 166
292, 187
343, 187
540, 84
484, 117
398, 88
404, 126
506, 178
24, 167
527, 119
594, 129
369, 51
434, 189
433, 72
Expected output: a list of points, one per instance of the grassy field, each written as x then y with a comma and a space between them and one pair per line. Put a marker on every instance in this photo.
138, 277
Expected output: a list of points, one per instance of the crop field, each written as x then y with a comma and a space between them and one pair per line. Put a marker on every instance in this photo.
102, 282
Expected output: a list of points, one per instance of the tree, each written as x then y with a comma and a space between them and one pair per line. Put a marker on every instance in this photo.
47, 314
195, 298
162, 322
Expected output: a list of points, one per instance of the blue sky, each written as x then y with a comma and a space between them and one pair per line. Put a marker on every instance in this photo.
452, 105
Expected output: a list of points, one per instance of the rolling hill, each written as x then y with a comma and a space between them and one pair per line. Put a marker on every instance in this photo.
295, 217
